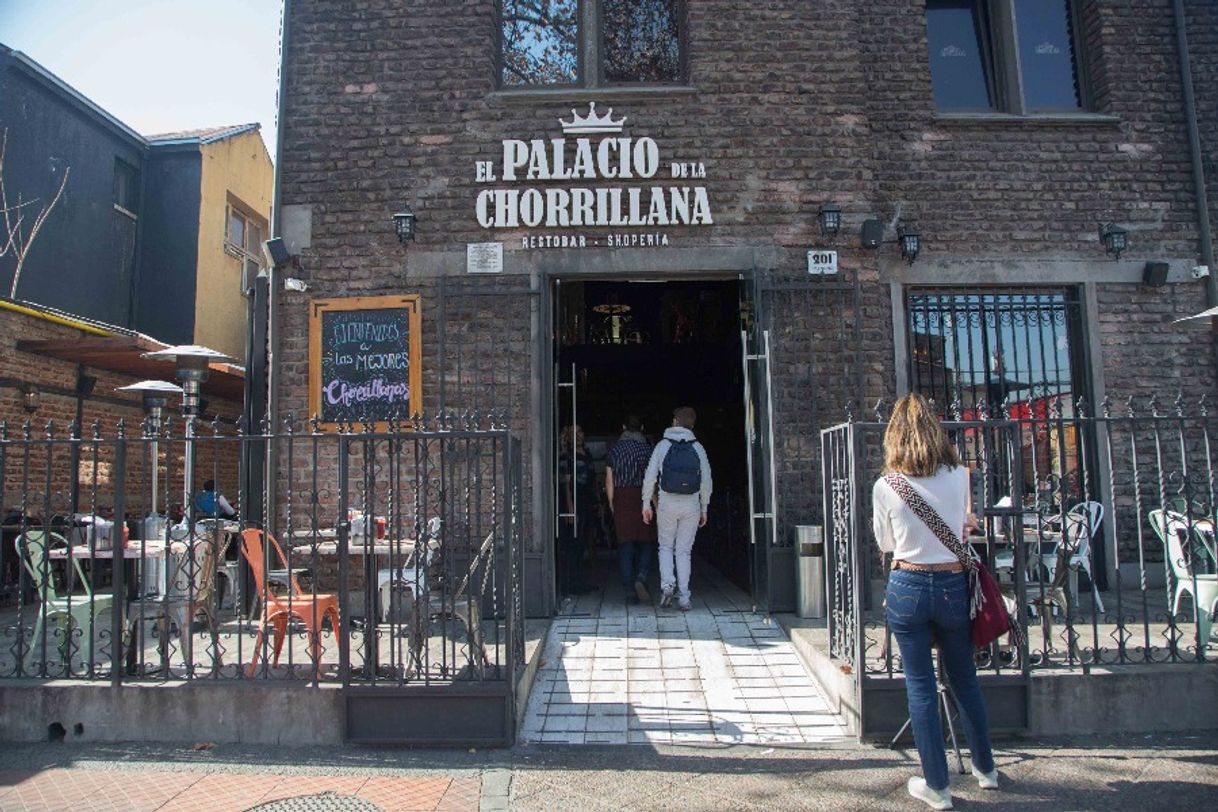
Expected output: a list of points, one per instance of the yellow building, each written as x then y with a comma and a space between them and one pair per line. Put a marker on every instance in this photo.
235, 182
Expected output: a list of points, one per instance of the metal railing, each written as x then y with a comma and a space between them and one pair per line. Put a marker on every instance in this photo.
394, 555
1099, 526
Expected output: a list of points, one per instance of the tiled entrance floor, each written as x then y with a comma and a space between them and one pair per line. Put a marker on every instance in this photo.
717, 675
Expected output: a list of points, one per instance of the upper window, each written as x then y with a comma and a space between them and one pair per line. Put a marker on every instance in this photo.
243, 239
126, 187
1011, 56
591, 43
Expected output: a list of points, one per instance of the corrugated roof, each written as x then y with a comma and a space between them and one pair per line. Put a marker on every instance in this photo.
203, 135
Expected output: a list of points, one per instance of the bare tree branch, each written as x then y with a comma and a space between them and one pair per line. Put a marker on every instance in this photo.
14, 237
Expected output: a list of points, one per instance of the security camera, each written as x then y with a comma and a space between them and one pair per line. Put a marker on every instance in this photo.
294, 284
1201, 271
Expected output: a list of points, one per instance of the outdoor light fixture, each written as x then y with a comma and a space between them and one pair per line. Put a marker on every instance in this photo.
156, 398
830, 217
1114, 238
276, 252
403, 224
31, 398
911, 242
192, 362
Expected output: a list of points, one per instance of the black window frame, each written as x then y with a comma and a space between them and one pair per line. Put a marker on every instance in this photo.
1000, 54
590, 66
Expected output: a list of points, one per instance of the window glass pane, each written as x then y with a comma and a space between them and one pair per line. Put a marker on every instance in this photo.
253, 239
236, 228
641, 41
1046, 54
126, 185
959, 66
540, 42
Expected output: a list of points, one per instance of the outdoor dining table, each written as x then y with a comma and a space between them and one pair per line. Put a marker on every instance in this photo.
149, 578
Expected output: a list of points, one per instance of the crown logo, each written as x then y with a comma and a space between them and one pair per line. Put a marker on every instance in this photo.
592, 123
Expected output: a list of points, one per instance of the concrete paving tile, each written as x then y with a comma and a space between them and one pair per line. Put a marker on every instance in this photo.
562, 724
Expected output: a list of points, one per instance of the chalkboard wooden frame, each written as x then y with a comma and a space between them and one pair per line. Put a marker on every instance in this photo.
411, 303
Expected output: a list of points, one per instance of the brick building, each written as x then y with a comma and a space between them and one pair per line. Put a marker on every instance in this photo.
657, 252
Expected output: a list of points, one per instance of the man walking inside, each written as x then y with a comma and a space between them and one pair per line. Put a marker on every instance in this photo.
680, 468
623, 484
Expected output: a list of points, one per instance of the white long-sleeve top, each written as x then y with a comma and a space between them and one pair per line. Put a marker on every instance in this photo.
899, 531
651, 477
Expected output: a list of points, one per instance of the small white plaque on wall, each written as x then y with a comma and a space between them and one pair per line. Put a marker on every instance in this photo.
822, 262
484, 257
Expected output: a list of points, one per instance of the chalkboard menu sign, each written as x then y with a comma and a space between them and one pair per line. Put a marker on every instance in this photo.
364, 359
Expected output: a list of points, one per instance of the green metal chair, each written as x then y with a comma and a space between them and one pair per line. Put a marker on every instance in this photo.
69, 611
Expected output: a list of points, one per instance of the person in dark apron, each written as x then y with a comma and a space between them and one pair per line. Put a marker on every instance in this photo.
636, 546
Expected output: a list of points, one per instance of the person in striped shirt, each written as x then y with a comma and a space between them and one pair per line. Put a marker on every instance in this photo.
624, 487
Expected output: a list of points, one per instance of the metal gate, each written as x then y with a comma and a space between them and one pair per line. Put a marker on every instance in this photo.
805, 334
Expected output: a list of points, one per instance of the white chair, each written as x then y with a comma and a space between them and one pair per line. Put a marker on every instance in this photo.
411, 576
1081, 528
1173, 529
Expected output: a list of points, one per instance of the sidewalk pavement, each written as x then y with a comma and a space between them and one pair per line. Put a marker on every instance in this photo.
1176, 772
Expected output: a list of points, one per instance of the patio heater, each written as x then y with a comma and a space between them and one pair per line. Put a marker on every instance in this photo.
156, 398
192, 363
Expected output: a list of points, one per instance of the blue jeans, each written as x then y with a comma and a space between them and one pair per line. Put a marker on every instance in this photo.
634, 560
919, 605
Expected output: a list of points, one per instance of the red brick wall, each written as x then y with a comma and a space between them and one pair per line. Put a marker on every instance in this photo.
794, 103
25, 465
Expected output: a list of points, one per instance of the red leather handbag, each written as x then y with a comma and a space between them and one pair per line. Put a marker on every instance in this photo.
988, 610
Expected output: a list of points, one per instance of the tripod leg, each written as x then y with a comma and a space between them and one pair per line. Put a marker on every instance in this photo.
951, 728
893, 744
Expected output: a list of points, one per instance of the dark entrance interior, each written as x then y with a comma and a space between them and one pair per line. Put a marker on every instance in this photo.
648, 347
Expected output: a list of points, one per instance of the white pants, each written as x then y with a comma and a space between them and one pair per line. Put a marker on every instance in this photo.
677, 524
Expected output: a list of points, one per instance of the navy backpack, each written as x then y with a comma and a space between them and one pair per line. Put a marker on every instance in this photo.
681, 471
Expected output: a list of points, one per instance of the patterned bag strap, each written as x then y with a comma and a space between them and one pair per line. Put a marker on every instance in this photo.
931, 518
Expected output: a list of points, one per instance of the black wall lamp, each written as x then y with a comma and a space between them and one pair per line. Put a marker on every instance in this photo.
1114, 238
911, 242
830, 219
403, 224
276, 251
31, 398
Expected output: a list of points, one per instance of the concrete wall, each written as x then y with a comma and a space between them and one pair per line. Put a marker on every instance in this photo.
233, 712
239, 170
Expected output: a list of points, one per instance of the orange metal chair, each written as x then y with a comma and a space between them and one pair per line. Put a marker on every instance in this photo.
277, 610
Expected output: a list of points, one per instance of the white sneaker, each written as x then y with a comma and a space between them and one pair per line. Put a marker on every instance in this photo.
684, 606
666, 597
986, 780
934, 798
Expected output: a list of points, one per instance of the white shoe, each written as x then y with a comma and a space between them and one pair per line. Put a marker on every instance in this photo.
986, 780
934, 798
666, 597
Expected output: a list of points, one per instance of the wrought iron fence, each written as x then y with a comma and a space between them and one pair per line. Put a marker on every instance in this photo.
1099, 525
393, 557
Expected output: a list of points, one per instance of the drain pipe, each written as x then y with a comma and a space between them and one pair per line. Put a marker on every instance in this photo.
274, 288
1194, 150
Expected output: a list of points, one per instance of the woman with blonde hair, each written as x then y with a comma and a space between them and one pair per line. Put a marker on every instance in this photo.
927, 600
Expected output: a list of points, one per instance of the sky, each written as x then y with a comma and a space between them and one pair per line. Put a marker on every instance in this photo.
158, 65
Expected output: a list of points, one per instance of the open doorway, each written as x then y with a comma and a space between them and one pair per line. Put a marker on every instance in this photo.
647, 347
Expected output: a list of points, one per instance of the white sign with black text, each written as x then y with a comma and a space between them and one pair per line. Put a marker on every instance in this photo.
484, 257
822, 262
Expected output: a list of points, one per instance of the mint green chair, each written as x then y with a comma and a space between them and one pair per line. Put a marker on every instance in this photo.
67, 612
